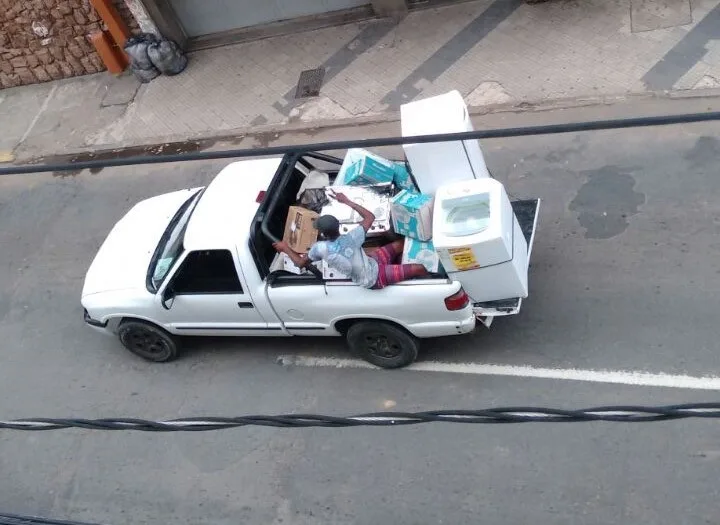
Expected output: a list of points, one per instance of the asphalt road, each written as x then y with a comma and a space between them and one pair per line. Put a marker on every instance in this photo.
624, 277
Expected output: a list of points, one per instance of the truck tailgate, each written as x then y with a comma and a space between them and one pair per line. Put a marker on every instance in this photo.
526, 212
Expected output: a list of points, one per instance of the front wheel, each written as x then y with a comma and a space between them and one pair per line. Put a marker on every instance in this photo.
148, 341
382, 344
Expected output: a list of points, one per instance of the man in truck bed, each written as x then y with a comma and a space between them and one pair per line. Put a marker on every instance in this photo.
345, 254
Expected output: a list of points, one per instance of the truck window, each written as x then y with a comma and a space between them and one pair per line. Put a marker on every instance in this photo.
207, 271
170, 246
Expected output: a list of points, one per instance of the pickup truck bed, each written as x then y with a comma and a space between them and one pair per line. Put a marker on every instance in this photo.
329, 306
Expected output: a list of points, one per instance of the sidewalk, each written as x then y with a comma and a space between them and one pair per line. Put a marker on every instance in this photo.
501, 54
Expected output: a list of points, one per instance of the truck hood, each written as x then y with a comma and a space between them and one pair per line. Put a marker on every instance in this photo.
123, 259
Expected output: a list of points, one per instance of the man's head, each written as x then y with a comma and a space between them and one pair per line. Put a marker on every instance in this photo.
328, 226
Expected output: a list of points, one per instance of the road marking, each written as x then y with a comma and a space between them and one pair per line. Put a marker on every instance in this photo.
622, 377
43, 108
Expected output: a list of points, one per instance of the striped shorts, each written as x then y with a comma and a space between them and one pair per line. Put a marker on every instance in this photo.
389, 272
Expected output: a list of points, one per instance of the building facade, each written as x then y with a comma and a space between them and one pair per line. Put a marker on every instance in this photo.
43, 40
206, 23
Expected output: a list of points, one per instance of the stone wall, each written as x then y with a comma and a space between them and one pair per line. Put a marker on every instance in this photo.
43, 40
127, 15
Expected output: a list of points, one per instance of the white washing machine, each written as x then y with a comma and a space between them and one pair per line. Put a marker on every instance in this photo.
479, 240
437, 163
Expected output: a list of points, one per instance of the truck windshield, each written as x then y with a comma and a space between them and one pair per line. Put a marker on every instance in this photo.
170, 246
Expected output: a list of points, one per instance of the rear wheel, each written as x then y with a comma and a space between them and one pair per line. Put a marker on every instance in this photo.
148, 341
382, 344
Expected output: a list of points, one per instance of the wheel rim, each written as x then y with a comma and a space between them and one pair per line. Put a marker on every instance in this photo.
147, 343
383, 346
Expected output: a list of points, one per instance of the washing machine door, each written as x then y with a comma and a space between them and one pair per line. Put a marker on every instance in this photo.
473, 224
465, 216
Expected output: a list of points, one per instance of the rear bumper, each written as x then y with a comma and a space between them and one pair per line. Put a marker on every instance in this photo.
445, 328
498, 308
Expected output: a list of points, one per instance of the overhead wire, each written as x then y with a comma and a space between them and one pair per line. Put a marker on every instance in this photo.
618, 414
16, 519
546, 129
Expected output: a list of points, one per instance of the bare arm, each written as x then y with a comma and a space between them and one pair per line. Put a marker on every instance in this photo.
368, 217
298, 259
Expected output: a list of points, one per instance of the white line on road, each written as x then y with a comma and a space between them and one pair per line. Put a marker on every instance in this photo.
623, 377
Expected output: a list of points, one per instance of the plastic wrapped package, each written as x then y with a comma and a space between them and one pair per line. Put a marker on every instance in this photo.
361, 167
412, 215
421, 252
402, 177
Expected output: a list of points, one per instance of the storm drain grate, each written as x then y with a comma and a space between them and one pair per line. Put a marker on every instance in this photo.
310, 82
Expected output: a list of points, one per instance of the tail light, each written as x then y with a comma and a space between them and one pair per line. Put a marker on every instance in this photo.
457, 301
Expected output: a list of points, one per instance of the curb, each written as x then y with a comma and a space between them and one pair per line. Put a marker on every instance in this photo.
264, 134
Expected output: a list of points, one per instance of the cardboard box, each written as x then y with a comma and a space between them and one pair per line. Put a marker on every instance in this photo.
412, 215
421, 252
300, 232
366, 169
402, 178
351, 163
352, 155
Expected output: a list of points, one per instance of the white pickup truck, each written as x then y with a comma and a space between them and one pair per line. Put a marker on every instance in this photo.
197, 262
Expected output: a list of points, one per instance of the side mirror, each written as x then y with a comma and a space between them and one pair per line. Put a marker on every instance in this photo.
168, 298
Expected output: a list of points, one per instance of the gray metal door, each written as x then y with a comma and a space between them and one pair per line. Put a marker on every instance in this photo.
204, 17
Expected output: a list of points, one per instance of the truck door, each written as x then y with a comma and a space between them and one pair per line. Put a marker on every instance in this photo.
206, 297
300, 303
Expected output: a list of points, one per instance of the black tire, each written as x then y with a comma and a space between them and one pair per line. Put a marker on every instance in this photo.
148, 341
382, 344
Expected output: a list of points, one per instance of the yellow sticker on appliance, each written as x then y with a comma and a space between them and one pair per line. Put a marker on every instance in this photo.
463, 258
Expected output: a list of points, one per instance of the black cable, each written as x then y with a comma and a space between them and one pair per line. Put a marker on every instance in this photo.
624, 414
548, 129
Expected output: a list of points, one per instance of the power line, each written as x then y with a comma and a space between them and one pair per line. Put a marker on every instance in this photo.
14, 519
549, 129
620, 414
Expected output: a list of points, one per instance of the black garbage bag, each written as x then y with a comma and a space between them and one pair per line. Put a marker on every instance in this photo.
167, 57
145, 75
314, 199
137, 49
